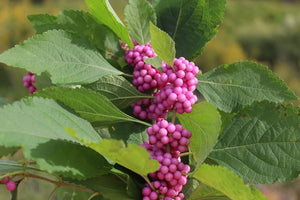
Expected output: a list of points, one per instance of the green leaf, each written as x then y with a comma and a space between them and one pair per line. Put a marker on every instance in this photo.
229, 87
130, 133
162, 44
83, 25
4, 151
154, 61
133, 157
73, 21
91, 105
118, 90
204, 192
67, 60
110, 186
138, 14
37, 125
227, 182
103, 12
4, 101
205, 124
191, 23
261, 143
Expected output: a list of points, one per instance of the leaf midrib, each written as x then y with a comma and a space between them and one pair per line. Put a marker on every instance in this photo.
254, 144
234, 85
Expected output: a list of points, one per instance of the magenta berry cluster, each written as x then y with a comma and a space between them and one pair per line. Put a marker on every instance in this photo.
144, 75
171, 90
164, 134
29, 80
10, 185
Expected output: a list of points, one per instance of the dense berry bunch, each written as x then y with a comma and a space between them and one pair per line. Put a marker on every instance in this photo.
144, 75
10, 185
29, 80
172, 90
164, 135
171, 176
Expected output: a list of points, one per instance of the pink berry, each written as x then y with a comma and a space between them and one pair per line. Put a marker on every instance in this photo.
11, 185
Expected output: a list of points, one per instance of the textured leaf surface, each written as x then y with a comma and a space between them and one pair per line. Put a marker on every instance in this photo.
103, 12
138, 14
38, 125
91, 105
118, 90
205, 124
82, 24
77, 22
133, 157
230, 86
67, 60
130, 133
4, 151
261, 144
227, 182
162, 44
191, 23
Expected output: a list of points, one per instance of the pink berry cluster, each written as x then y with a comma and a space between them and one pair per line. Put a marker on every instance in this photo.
164, 134
144, 75
172, 88
169, 179
29, 81
10, 185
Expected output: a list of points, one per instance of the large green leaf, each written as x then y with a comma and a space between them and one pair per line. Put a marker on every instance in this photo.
138, 14
91, 105
133, 157
82, 24
227, 182
68, 60
38, 124
191, 23
261, 144
103, 12
162, 44
118, 90
205, 124
230, 86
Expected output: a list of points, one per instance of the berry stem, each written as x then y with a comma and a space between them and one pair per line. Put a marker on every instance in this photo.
127, 75
185, 154
173, 116
93, 195
148, 181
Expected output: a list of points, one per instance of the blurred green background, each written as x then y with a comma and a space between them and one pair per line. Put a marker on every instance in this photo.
265, 31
